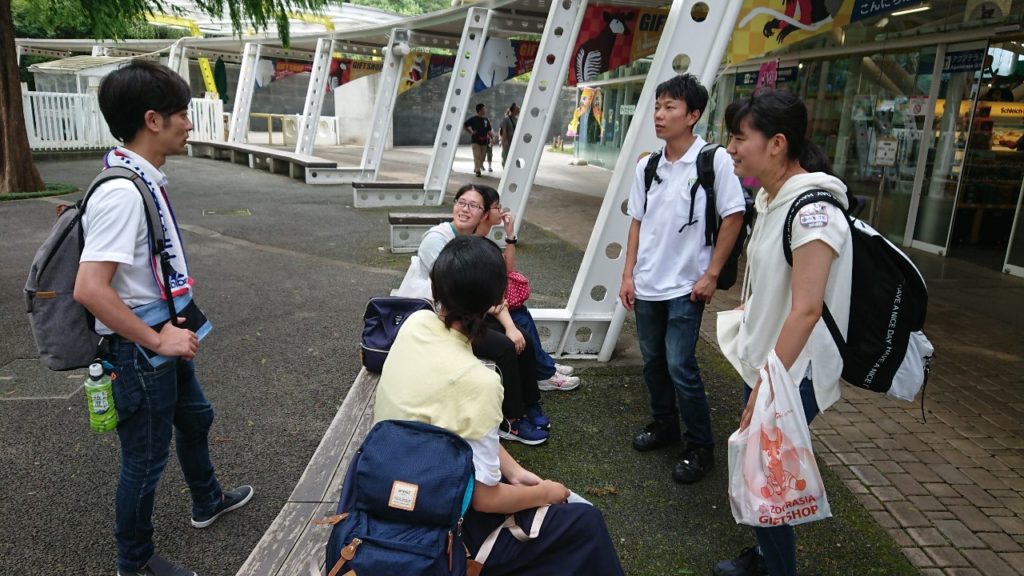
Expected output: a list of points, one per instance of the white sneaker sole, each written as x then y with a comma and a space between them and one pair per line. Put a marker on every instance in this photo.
236, 506
510, 436
542, 385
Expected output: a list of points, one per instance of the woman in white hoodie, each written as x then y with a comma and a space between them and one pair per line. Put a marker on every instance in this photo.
782, 305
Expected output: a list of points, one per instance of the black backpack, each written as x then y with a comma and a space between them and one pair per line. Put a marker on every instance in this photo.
383, 317
888, 303
706, 180
63, 329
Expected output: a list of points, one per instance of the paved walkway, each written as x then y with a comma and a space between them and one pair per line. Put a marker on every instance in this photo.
950, 490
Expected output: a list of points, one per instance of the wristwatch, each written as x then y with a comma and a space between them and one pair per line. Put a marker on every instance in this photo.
512, 240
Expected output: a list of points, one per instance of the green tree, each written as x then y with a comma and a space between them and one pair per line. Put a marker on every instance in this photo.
100, 19
411, 7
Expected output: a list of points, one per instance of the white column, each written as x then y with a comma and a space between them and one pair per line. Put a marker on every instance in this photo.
238, 132
542, 95
590, 316
314, 97
387, 92
456, 103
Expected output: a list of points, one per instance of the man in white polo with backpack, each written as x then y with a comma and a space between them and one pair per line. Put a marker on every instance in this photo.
128, 287
675, 253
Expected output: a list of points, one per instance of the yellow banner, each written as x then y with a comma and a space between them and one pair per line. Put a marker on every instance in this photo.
766, 25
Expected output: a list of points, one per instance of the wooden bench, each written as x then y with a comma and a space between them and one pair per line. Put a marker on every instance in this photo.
383, 194
275, 161
408, 228
292, 540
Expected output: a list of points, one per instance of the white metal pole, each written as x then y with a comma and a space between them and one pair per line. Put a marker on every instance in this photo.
310, 119
387, 92
456, 103
239, 129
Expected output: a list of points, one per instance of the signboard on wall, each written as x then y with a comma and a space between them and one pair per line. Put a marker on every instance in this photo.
613, 36
765, 25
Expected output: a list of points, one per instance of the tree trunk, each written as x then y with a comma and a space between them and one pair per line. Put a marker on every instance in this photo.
17, 171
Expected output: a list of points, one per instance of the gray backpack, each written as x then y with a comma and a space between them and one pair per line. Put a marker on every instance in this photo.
63, 329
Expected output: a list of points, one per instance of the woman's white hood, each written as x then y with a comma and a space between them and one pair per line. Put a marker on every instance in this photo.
799, 184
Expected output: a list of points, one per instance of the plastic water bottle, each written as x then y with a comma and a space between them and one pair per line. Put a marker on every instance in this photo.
99, 394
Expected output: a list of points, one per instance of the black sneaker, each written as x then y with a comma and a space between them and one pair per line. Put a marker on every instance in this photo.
159, 566
477, 172
694, 463
232, 500
655, 435
750, 562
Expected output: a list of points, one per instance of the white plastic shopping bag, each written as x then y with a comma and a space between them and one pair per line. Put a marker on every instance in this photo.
773, 477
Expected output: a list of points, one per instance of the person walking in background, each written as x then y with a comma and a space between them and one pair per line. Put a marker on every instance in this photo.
156, 390
480, 134
670, 274
783, 309
507, 130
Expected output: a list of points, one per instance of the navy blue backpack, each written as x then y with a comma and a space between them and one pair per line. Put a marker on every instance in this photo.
383, 317
402, 503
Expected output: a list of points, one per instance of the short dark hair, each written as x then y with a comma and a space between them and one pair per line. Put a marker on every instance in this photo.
126, 94
467, 279
480, 106
687, 88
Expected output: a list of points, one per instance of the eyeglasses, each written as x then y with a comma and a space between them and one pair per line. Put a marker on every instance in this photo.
468, 205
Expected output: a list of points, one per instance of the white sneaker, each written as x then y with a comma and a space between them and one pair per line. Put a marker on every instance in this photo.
559, 382
564, 370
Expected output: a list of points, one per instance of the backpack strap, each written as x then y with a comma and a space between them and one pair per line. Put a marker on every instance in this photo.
706, 180
651, 173
518, 533
157, 240
810, 197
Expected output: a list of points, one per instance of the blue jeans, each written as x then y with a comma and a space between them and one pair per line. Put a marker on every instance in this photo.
778, 543
668, 332
543, 362
150, 402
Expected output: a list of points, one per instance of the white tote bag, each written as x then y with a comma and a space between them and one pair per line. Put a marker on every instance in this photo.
773, 476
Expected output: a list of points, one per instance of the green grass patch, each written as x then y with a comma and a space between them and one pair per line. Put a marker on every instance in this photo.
564, 150
52, 189
663, 528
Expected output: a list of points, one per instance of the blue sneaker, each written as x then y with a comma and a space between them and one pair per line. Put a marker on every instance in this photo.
232, 500
537, 417
522, 430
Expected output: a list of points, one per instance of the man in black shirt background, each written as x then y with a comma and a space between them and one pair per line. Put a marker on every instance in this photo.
479, 128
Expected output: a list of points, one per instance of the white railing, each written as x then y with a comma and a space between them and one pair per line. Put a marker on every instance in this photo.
207, 119
60, 121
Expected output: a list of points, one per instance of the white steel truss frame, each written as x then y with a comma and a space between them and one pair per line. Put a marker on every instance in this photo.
590, 323
310, 120
238, 132
387, 93
546, 79
456, 103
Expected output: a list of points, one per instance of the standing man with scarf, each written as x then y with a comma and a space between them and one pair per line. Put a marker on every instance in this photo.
123, 285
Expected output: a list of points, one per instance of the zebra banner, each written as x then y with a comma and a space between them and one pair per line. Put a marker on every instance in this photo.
765, 25
613, 36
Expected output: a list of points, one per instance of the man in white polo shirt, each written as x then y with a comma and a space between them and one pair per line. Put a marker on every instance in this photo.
124, 286
670, 274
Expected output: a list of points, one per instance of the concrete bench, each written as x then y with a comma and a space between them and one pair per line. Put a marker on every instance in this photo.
275, 161
407, 228
292, 540
383, 194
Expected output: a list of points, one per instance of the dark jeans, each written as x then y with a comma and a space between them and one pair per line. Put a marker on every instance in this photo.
150, 402
517, 370
778, 543
668, 332
543, 362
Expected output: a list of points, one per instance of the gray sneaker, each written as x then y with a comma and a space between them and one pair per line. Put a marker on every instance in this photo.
159, 566
232, 500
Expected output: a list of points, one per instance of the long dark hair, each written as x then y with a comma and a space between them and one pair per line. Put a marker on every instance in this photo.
468, 278
780, 112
